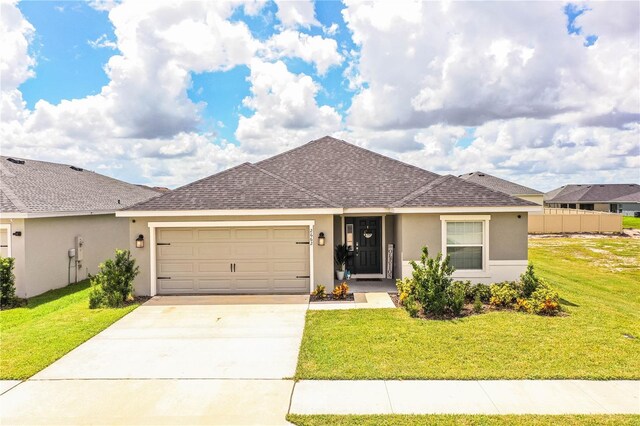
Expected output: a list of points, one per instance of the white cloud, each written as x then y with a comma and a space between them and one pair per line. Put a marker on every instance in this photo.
286, 113
299, 13
103, 42
323, 52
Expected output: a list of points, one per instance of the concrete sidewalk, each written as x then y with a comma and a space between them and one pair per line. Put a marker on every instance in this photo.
466, 397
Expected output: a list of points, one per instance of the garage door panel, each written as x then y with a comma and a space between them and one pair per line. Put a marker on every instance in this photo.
252, 233
175, 235
166, 267
299, 234
213, 234
176, 286
206, 285
267, 260
290, 284
223, 267
173, 251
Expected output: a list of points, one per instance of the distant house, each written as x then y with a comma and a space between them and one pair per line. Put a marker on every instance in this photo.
58, 221
505, 186
615, 198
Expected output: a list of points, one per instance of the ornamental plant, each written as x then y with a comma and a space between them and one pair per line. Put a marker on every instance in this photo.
319, 292
340, 291
113, 285
432, 278
7, 282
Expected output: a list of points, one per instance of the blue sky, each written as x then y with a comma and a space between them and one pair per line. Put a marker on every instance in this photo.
544, 95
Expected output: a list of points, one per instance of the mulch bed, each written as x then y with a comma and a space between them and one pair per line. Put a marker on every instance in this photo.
137, 299
330, 298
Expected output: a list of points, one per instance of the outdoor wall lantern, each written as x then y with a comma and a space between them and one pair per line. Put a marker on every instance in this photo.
17, 234
321, 239
140, 241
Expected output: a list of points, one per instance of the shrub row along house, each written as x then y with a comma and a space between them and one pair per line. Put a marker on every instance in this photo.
58, 221
271, 227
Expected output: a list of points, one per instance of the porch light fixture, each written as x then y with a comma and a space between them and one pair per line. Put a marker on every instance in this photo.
140, 241
367, 233
17, 234
321, 239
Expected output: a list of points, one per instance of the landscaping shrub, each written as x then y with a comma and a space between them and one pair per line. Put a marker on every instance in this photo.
433, 278
320, 292
481, 291
457, 294
504, 294
406, 287
113, 285
545, 300
477, 304
412, 306
530, 281
7, 282
340, 291
465, 286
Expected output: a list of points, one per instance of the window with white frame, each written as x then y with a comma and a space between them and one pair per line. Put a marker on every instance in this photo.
465, 244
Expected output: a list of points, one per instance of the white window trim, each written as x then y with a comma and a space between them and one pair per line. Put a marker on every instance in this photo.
7, 226
224, 224
484, 219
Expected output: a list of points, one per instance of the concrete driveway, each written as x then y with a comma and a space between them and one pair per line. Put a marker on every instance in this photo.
182, 359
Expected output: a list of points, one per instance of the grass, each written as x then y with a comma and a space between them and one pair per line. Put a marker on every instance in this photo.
631, 222
419, 420
598, 280
50, 326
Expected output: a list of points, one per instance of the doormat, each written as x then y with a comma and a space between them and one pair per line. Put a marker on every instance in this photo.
368, 279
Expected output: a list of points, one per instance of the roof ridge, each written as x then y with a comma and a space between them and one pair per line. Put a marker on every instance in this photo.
418, 192
311, 142
298, 187
504, 194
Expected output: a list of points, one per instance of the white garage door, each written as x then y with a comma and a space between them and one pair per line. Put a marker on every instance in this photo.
4, 243
232, 260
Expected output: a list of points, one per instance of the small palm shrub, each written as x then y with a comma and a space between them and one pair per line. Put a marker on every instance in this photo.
113, 285
7, 282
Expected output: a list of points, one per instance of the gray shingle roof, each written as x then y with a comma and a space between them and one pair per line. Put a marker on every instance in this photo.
42, 187
498, 184
595, 193
327, 173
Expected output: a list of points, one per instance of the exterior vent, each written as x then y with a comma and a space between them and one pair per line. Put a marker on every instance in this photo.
14, 161
481, 174
77, 169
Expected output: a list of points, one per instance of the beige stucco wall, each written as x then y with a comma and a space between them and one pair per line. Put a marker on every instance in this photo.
41, 253
322, 256
17, 252
508, 244
538, 199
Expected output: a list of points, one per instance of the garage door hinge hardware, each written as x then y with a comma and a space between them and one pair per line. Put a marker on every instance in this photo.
303, 276
164, 278
302, 242
164, 244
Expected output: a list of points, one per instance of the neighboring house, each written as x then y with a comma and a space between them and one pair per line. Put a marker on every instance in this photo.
502, 185
46, 209
614, 198
271, 227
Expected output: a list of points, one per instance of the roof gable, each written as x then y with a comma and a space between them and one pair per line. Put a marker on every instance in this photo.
498, 184
30, 186
348, 175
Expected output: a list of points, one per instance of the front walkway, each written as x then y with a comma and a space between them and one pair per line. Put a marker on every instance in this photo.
466, 397
174, 360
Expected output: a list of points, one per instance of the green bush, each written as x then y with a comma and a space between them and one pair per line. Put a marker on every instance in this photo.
7, 282
432, 278
479, 290
530, 281
545, 300
113, 285
412, 306
504, 294
457, 294
465, 286
406, 287
477, 304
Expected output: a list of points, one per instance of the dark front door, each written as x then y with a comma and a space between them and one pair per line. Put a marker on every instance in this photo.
367, 250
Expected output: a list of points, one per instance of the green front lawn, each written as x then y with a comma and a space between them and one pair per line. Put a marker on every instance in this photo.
51, 325
598, 279
467, 420
631, 222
